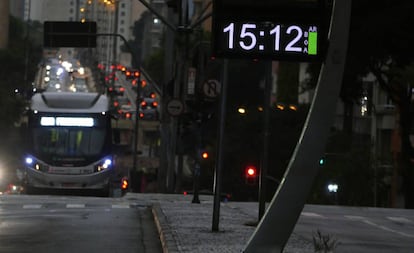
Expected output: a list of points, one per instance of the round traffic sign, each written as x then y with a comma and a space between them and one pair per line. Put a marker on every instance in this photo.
211, 88
175, 107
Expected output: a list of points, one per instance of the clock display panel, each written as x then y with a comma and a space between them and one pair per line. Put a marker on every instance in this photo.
279, 32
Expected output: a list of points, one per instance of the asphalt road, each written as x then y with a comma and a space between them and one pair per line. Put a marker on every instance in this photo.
70, 224
360, 229
91, 224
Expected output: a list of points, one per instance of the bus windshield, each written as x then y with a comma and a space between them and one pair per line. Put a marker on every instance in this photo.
69, 142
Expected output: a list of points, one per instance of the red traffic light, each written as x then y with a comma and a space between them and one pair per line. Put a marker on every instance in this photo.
204, 155
251, 171
250, 175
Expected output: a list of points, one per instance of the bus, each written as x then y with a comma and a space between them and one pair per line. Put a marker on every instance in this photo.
69, 142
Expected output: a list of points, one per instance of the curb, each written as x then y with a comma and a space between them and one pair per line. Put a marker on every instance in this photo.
168, 243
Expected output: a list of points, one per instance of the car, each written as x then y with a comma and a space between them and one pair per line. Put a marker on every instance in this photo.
148, 109
116, 89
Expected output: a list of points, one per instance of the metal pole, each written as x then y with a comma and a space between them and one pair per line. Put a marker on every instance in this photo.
115, 49
133, 171
220, 138
266, 134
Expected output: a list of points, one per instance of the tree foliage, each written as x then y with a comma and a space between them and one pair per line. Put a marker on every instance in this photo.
381, 43
18, 65
12, 74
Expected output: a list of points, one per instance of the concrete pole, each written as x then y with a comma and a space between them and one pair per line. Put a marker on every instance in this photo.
4, 23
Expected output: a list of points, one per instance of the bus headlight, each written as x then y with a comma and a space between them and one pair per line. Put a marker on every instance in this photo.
104, 164
28, 160
36, 165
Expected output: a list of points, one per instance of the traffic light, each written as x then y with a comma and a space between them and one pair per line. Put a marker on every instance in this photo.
204, 155
250, 175
322, 161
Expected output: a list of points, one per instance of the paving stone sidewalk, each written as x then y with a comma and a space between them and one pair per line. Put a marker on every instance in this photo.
187, 227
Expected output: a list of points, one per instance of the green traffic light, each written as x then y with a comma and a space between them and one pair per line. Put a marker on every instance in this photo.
322, 161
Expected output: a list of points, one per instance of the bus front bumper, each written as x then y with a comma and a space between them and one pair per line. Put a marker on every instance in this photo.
97, 180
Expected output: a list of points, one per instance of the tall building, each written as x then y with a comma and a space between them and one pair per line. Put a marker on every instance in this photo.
17, 8
50, 10
112, 17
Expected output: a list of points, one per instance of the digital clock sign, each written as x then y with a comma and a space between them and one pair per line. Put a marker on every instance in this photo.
258, 32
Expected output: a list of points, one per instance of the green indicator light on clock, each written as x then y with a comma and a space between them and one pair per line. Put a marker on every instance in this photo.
312, 43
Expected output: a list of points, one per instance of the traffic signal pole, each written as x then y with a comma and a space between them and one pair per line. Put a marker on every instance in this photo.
266, 135
220, 148
279, 220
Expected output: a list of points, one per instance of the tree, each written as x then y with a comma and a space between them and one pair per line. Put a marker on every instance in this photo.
381, 43
17, 67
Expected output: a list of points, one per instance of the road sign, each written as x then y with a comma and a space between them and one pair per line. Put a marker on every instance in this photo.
69, 34
191, 81
175, 107
211, 88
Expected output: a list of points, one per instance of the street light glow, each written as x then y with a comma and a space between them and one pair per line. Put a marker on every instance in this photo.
333, 188
241, 110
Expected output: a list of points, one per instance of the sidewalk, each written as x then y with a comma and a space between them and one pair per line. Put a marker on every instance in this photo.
187, 227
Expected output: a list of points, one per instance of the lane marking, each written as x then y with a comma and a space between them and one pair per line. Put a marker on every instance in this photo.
32, 206
364, 220
75, 205
354, 217
121, 206
399, 219
309, 214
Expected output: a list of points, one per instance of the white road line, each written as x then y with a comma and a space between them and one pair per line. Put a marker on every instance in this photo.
120, 206
364, 220
354, 217
32, 206
400, 219
75, 205
313, 215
